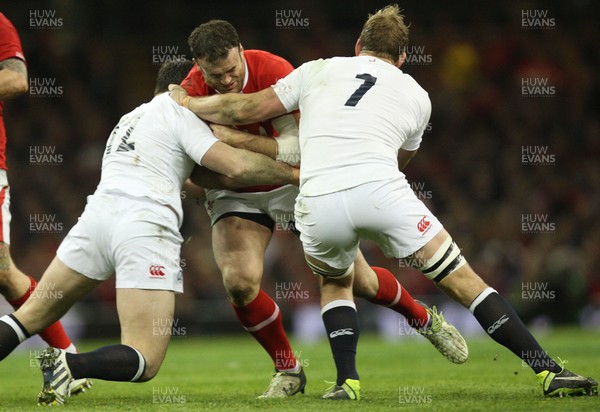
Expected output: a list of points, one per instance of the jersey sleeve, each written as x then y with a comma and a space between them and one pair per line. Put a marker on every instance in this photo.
10, 45
413, 141
194, 83
289, 88
195, 136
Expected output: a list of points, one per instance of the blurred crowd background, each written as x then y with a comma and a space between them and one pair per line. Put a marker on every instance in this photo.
471, 57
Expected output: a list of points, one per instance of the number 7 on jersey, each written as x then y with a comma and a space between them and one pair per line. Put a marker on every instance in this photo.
369, 81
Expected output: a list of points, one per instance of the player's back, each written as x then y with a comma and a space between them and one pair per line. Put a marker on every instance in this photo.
152, 151
357, 112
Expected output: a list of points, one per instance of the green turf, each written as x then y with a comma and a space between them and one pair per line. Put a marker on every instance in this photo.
226, 374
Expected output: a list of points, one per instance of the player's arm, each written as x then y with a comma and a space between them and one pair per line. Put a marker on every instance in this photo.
13, 78
208, 179
404, 157
248, 168
243, 140
285, 147
231, 108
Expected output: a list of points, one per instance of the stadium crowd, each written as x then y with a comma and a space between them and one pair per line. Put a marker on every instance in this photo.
508, 163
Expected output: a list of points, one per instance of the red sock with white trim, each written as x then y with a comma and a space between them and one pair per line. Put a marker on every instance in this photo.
54, 335
394, 296
262, 318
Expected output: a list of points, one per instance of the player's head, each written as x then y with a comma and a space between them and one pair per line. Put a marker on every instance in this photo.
217, 51
385, 35
172, 72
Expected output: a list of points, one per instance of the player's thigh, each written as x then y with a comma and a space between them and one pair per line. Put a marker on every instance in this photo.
146, 318
239, 246
389, 213
326, 231
146, 248
59, 288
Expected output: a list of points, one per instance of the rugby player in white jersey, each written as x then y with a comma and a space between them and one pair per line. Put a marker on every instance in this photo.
243, 220
131, 226
361, 121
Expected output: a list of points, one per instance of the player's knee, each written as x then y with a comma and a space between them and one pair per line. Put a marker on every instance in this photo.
151, 366
150, 372
241, 287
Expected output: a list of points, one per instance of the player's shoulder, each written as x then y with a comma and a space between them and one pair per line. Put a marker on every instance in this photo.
6, 25
266, 67
194, 83
263, 57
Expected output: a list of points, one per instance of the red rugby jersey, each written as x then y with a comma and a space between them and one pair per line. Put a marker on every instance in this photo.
263, 70
10, 46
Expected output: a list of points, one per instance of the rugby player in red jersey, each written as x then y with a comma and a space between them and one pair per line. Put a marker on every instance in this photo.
243, 219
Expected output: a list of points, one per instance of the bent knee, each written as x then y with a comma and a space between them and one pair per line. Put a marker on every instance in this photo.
150, 372
242, 286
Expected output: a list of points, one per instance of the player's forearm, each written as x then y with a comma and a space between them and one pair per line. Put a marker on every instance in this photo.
208, 179
231, 109
242, 140
258, 169
12, 84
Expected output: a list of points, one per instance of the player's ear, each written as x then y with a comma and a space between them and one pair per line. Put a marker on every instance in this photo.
357, 47
241, 48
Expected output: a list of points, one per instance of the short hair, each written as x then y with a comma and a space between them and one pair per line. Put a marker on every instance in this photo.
385, 33
213, 40
173, 72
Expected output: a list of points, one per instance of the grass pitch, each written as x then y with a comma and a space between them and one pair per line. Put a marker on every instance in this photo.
227, 374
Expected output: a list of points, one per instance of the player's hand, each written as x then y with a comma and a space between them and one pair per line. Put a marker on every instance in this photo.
296, 176
227, 134
178, 94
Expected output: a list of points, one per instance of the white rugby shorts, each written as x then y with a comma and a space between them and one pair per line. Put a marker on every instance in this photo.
387, 212
134, 237
278, 204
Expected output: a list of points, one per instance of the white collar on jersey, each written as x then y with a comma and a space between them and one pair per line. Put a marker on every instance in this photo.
246, 75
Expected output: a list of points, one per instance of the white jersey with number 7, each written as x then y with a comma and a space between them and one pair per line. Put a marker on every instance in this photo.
356, 113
